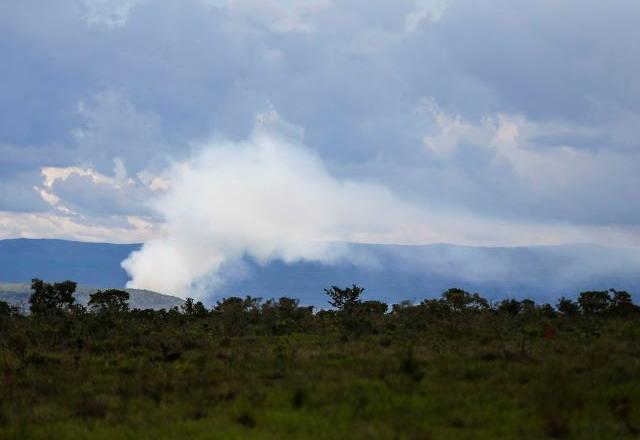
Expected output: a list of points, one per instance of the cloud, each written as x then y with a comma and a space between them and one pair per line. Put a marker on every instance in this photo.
268, 197
110, 13
527, 169
426, 11
111, 128
534, 122
280, 16
572, 60
89, 193
20, 194
62, 226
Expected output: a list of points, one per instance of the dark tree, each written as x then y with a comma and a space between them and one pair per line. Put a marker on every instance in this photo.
567, 307
510, 306
376, 308
287, 306
7, 309
621, 303
459, 300
547, 311
199, 310
191, 308
528, 306
594, 302
236, 314
48, 297
111, 300
187, 307
346, 299
434, 308
284, 315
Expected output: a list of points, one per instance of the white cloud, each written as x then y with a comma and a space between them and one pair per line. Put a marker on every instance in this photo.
540, 169
280, 16
87, 192
425, 11
110, 13
53, 174
500, 132
62, 226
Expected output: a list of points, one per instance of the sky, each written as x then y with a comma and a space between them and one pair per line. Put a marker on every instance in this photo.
271, 122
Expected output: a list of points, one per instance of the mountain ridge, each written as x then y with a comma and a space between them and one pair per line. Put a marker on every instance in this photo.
389, 272
19, 293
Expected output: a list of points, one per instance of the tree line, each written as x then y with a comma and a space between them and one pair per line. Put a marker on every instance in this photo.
236, 315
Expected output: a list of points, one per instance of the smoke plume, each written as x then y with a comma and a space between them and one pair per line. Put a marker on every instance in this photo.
268, 197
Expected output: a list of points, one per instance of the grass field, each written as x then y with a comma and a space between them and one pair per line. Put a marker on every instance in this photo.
473, 374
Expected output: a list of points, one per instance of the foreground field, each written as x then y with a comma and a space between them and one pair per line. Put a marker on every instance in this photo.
243, 373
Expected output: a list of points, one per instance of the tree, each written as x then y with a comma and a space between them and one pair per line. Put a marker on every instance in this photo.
547, 311
235, 314
284, 315
48, 298
510, 306
191, 308
621, 303
414, 317
109, 301
567, 307
528, 307
434, 309
373, 308
459, 300
346, 299
594, 302
7, 309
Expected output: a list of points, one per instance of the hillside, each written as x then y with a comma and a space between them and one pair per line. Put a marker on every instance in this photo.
92, 264
18, 294
394, 273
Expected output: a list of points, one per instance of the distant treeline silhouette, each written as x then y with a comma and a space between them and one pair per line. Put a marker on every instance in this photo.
349, 312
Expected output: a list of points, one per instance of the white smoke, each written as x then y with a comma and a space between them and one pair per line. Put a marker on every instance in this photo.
268, 197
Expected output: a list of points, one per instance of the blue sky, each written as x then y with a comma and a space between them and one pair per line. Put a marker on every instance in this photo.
501, 122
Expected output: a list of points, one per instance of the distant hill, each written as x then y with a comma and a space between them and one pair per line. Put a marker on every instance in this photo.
389, 272
393, 273
92, 264
18, 294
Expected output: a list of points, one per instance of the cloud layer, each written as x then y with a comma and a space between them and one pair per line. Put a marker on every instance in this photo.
503, 122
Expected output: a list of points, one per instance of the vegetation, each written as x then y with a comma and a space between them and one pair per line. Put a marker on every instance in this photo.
19, 294
454, 367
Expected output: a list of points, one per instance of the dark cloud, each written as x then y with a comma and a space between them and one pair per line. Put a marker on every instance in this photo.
549, 59
18, 193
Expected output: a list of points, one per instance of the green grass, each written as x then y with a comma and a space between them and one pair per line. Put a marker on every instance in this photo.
318, 384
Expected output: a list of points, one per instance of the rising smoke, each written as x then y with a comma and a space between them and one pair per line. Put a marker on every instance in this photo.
268, 198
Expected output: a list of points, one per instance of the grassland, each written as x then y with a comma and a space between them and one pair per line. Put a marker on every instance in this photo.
250, 370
